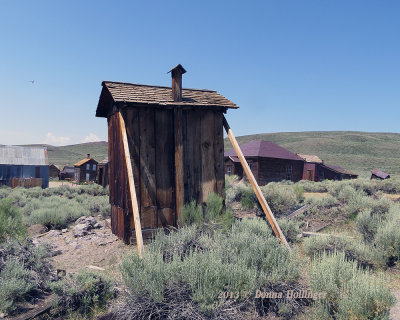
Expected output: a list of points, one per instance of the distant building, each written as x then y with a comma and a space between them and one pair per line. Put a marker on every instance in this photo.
102, 172
67, 173
335, 173
316, 170
86, 170
54, 171
268, 162
379, 175
311, 166
24, 166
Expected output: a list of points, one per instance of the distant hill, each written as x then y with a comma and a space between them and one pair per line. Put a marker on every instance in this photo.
357, 151
68, 155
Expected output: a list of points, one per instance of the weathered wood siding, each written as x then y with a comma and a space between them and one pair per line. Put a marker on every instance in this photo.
203, 154
274, 170
158, 139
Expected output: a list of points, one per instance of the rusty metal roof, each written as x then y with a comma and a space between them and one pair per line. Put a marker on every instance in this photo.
310, 158
157, 95
340, 170
83, 161
380, 174
16, 155
265, 149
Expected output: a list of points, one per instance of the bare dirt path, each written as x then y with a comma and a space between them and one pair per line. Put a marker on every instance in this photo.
99, 248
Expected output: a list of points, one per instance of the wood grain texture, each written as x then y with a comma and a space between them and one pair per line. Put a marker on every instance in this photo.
147, 168
192, 154
178, 164
164, 162
208, 178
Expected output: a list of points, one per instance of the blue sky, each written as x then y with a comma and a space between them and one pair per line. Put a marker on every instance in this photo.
289, 65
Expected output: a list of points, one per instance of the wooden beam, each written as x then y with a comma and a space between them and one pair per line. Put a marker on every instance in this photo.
131, 183
267, 211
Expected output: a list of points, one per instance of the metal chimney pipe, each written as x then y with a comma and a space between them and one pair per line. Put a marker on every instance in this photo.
176, 74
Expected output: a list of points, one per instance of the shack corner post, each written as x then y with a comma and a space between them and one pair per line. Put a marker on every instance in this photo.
267, 210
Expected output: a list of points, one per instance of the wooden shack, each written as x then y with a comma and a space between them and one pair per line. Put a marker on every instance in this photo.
102, 172
176, 147
86, 170
379, 175
54, 171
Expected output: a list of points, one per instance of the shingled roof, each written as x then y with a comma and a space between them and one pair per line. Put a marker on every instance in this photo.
380, 174
310, 158
340, 170
141, 94
265, 149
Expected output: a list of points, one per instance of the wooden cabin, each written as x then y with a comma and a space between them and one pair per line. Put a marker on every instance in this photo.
24, 166
85, 170
54, 171
176, 146
379, 175
316, 170
67, 173
102, 172
311, 167
268, 162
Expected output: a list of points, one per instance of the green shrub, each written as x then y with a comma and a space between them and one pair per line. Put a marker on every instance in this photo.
14, 284
311, 186
191, 213
11, 225
197, 266
367, 225
227, 219
387, 239
281, 198
82, 292
290, 229
353, 250
23, 269
351, 293
54, 212
214, 206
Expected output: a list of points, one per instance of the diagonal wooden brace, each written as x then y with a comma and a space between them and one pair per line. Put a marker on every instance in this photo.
131, 183
267, 210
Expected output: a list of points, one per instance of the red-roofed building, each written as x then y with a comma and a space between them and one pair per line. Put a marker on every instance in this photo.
268, 162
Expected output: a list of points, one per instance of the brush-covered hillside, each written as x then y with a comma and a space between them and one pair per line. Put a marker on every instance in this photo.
68, 155
357, 151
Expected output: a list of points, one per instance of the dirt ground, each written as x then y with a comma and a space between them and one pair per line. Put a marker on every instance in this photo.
100, 248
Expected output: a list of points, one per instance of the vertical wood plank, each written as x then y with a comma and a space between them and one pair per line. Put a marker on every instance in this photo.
132, 124
178, 160
192, 155
147, 168
164, 151
219, 153
208, 180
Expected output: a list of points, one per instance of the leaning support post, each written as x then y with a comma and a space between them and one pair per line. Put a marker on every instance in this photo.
267, 211
131, 183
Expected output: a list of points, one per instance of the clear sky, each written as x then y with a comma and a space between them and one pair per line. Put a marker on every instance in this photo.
290, 65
